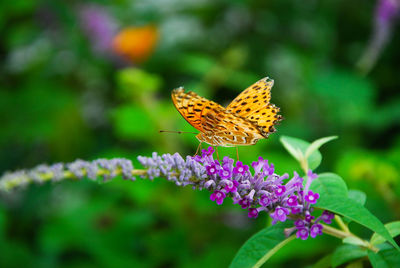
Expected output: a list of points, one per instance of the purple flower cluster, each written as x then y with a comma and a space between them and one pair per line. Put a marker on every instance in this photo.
263, 190
309, 227
256, 190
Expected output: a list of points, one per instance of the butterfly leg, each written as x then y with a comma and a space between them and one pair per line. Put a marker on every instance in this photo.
198, 148
216, 150
237, 153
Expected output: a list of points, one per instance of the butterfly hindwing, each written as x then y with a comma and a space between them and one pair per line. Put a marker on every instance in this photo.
253, 105
252, 98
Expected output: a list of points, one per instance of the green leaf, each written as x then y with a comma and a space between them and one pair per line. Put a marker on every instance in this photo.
358, 196
261, 246
333, 197
134, 80
297, 148
315, 145
384, 258
293, 146
354, 211
392, 227
390, 256
324, 262
329, 184
132, 122
346, 253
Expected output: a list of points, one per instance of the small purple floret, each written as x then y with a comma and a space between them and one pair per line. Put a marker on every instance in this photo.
225, 173
232, 187
280, 190
280, 214
218, 196
299, 223
327, 217
311, 197
240, 168
253, 213
311, 175
302, 233
244, 203
211, 169
264, 201
292, 201
315, 230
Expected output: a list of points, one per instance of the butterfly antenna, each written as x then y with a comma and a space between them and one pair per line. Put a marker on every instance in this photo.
178, 132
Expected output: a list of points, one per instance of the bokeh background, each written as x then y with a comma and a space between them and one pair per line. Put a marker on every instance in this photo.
81, 79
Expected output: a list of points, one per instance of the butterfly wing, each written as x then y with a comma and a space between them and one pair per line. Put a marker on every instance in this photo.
231, 130
195, 109
253, 105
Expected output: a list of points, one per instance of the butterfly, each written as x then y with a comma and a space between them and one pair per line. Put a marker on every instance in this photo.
247, 119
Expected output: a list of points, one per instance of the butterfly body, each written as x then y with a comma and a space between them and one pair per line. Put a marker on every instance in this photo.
247, 119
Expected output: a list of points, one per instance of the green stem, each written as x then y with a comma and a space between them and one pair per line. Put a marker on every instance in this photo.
25, 179
273, 251
336, 232
343, 234
304, 165
341, 224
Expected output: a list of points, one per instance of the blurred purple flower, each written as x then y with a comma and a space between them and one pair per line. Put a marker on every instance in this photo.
386, 12
107, 168
98, 25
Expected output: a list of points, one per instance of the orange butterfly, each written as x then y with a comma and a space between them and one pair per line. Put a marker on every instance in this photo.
247, 119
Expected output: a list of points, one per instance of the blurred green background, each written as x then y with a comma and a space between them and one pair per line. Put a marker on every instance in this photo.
93, 79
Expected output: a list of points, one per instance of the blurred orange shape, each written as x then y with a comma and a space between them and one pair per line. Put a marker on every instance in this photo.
136, 43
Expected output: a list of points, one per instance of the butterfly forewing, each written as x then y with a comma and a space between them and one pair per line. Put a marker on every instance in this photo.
194, 108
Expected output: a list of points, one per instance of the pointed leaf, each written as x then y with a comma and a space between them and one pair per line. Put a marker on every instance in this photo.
358, 196
292, 146
329, 184
333, 197
324, 262
261, 246
354, 211
297, 148
392, 227
384, 258
346, 253
315, 145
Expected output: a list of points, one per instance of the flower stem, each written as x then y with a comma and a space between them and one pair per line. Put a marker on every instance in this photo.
273, 251
13, 181
335, 232
342, 235
341, 224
